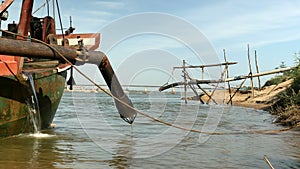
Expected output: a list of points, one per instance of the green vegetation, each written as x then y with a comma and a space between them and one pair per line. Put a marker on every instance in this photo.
287, 108
282, 78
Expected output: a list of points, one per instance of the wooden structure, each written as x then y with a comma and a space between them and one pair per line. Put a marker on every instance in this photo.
193, 83
190, 82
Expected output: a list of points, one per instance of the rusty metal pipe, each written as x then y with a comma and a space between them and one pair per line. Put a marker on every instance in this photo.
112, 82
34, 50
37, 50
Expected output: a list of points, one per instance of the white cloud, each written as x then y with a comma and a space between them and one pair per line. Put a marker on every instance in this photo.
224, 20
110, 4
98, 13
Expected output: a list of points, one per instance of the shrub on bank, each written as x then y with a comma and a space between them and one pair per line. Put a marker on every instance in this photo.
287, 108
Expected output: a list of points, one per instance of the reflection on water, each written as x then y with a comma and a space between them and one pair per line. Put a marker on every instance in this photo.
25, 151
108, 142
123, 156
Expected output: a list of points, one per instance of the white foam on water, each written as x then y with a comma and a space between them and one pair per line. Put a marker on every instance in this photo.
41, 135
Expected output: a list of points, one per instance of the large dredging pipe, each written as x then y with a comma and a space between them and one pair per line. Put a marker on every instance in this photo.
37, 50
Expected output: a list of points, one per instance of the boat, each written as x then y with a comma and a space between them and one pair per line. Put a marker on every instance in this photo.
33, 68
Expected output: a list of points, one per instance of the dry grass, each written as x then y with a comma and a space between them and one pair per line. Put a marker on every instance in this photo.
289, 116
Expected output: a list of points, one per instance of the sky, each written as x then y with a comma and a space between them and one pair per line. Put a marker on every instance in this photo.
145, 39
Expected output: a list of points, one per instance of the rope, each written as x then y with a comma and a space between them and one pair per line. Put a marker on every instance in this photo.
60, 22
148, 116
43, 5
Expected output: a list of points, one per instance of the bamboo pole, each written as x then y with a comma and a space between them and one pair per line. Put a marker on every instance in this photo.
203, 66
237, 90
250, 69
192, 87
226, 66
261, 74
185, 82
236, 78
222, 76
268, 162
257, 71
225, 86
209, 96
196, 93
227, 76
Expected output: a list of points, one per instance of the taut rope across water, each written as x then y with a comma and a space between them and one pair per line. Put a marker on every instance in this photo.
148, 116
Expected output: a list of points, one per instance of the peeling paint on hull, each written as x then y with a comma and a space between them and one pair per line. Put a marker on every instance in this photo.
15, 91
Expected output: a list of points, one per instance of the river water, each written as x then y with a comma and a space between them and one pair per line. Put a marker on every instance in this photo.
90, 134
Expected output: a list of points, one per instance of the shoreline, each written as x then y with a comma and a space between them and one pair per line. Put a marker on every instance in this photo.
263, 99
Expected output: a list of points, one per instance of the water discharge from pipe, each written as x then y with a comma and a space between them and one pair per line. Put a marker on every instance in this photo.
33, 106
54, 52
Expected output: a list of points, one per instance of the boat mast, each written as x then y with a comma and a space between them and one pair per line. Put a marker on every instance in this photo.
23, 27
25, 17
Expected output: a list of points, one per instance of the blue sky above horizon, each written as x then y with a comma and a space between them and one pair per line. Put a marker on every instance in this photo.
270, 26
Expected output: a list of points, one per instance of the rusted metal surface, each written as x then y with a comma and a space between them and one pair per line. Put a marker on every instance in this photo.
91, 40
112, 82
34, 50
5, 5
15, 91
8, 65
37, 50
20, 125
48, 95
49, 83
13, 96
25, 17
23, 26
48, 28
41, 51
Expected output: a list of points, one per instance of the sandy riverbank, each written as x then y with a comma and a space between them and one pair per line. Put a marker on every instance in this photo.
262, 99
